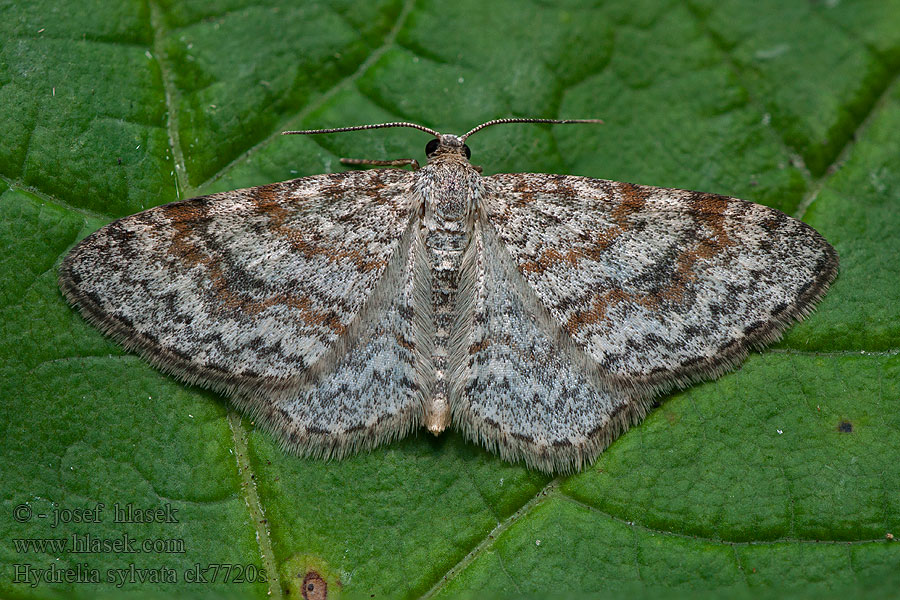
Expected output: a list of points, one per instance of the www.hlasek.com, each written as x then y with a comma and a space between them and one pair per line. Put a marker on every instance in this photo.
85, 543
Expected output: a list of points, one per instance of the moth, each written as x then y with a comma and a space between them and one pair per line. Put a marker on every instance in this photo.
540, 315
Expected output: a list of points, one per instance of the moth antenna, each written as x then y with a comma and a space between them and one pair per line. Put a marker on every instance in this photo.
358, 127
529, 120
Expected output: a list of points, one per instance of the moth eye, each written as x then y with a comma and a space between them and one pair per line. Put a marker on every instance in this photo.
432, 146
467, 151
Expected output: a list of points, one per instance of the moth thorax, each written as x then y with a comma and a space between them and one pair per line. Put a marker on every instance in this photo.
452, 197
451, 207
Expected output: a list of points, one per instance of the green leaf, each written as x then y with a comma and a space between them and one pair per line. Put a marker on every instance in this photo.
781, 479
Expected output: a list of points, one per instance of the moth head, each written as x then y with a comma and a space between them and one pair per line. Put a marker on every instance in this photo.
447, 144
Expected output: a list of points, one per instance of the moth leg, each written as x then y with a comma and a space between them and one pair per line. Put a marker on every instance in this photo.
400, 162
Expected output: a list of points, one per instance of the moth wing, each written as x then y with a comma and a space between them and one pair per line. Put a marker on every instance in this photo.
518, 392
269, 295
651, 288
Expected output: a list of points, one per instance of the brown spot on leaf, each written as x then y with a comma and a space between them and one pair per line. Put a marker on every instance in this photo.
314, 587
